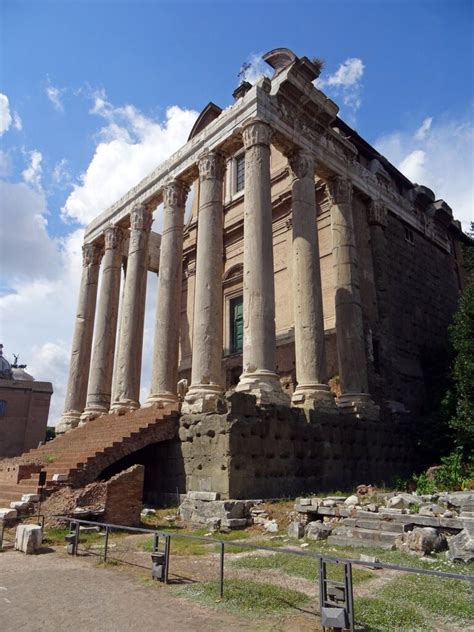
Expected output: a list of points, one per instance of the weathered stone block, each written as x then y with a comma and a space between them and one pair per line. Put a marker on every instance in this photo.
8, 513
317, 531
30, 498
234, 523
296, 530
203, 496
28, 538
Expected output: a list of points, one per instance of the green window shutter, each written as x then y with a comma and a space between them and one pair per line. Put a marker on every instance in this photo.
237, 324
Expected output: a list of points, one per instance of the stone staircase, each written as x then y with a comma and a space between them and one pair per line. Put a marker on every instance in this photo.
79, 456
368, 530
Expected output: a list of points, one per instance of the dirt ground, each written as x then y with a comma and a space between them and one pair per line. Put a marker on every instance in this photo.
52, 591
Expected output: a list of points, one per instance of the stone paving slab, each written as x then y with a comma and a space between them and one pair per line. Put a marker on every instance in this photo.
54, 592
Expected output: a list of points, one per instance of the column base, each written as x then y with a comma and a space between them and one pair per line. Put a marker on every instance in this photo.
265, 386
68, 421
204, 398
359, 404
124, 406
161, 399
314, 397
92, 412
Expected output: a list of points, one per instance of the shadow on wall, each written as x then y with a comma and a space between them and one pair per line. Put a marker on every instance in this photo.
165, 476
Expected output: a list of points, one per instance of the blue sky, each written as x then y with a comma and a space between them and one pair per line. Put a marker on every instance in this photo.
87, 90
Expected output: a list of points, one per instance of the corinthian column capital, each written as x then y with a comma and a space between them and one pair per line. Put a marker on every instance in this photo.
340, 190
377, 213
175, 193
301, 164
141, 218
113, 236
211, 166
91, 254
256, 132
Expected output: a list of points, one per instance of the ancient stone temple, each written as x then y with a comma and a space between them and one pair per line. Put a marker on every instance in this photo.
296, 307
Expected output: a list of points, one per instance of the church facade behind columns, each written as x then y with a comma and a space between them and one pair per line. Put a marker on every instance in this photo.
310, 275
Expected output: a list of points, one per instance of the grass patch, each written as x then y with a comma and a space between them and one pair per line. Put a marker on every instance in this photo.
247, 596
299, 566
447, 598
411, 602
382, 615
56, 536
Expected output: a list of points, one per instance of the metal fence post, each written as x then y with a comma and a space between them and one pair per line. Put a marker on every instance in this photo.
106, 542
2, 529
76, 538
167, 556
221, 574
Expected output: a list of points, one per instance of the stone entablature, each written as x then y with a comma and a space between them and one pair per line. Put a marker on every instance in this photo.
287, 118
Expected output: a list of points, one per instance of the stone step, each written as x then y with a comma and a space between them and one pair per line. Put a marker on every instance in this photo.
340, 540
373, 525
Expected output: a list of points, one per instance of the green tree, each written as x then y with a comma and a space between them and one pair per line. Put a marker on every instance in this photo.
462, 340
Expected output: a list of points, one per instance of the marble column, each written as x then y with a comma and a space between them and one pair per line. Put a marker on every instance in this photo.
100, 380
76, 392
206, 391
312, 390
129, 358
351, 351
164, 376
259, 375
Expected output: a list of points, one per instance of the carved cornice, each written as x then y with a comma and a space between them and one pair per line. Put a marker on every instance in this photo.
211, 166
175, 194
113, 236
141, 218
301, 164
91, 255
340, 190
377, 213
256, 132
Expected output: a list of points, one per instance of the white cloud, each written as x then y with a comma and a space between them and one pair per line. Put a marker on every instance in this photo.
38, 314
424, 128
54, 95
438, 155
5, 116
131, 146
26, 249
254, 68
60, 174
43, 274
345, 83
33, 173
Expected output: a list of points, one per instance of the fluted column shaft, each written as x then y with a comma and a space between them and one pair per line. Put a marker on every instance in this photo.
164, 376
129, 358
349, 321
76, 392
206, 388
100, 380
310, 354
259, 377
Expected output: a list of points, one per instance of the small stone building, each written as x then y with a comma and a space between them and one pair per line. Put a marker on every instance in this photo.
24, 409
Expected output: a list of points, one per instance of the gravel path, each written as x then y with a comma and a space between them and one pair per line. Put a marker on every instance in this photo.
53, 592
